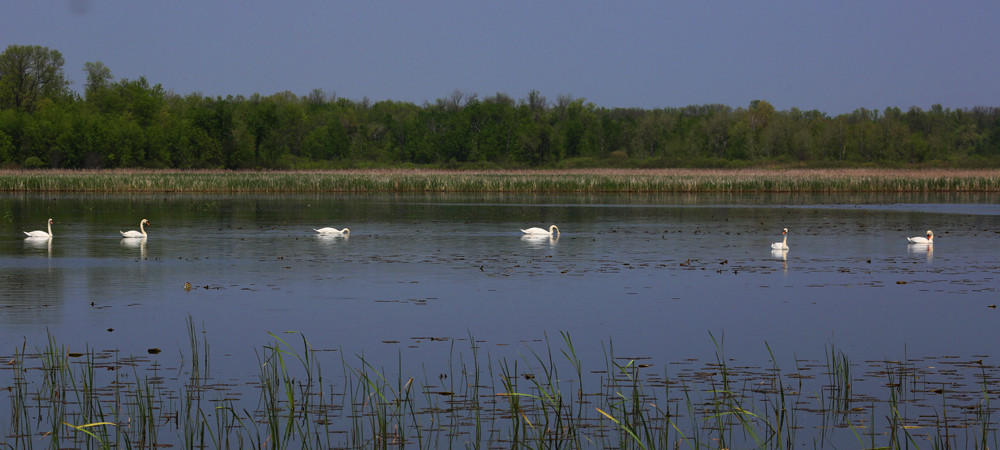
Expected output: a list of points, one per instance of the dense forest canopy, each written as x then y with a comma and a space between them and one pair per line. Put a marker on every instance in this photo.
131, 123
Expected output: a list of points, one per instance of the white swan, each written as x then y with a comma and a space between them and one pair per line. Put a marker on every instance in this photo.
135, 234
919, 240
39, 233
536, 230
333, 231
783, 245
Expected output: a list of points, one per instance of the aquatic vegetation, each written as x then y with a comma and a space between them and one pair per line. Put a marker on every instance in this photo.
563, 181
59, 398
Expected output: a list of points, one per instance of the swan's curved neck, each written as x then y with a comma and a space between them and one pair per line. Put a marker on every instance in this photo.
785, 240
50, 228
142, 228
553, 227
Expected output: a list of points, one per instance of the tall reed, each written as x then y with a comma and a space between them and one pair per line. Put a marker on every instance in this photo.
540, 181
540, 398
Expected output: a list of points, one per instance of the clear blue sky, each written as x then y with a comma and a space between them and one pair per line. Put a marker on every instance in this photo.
830, 56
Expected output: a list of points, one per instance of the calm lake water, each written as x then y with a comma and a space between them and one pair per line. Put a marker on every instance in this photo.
654, 274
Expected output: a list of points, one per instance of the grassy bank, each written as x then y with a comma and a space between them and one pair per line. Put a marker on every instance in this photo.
562, 181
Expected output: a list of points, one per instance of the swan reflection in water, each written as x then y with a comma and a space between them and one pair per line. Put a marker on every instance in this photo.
332, 239
781, 255
921, 249
539, 240
39, 243
134, 243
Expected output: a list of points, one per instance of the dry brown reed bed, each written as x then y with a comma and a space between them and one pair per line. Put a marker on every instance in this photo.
528, 181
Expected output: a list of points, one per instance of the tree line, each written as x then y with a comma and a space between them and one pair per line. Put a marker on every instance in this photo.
132, 123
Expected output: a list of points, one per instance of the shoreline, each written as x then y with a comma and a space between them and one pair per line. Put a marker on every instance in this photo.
509, 181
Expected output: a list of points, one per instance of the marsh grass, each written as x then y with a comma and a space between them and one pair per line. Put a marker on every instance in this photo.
542, 397
539, 181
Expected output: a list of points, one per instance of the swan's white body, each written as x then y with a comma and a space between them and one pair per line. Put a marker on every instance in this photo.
39, 233
333, 231
553, 230
920, 240
783, 245
135, 234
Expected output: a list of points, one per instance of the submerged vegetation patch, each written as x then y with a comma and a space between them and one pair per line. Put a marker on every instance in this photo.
528, 181
541, 397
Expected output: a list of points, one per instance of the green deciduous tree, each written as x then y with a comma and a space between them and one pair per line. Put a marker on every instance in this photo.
98, 79
134, 123
6, 148
30, 73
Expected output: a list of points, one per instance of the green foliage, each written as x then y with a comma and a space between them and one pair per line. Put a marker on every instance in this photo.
131, 123
30, 74
98, 79
33, 163
7, 150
